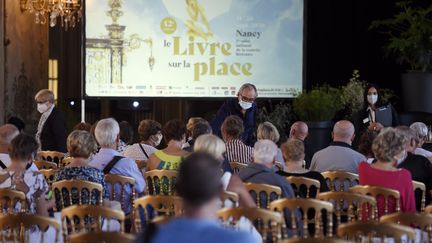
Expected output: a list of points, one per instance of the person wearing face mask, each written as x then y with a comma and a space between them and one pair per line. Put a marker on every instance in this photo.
169, 158
372, 103
150, 135
389, 148
243, 106
51, 131
199, 129
419, 166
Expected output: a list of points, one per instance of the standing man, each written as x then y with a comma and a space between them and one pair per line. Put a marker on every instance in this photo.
51, 132
245, 107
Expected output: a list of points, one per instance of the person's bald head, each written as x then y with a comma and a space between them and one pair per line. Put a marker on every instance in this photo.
7, 133
299, 130
343, 131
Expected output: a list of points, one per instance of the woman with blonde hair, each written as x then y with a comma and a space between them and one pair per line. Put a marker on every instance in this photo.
267, 130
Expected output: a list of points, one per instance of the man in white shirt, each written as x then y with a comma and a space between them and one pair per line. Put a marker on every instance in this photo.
421, 131
7, 133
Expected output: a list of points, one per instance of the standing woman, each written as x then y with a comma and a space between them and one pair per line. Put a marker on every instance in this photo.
372, 103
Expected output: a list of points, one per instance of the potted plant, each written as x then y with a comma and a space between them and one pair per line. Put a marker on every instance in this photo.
279, 115
317, 108
410, 41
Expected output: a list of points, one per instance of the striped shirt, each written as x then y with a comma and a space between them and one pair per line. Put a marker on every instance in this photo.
237, 151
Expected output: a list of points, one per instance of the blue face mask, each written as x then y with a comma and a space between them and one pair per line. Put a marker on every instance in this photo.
245, 105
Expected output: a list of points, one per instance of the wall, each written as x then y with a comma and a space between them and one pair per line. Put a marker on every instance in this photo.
2, 62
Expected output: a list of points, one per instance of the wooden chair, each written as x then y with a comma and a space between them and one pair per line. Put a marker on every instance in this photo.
49, 175
265, 221
299, 182
376, 191
51, 156
9, 200
17, 227
65, 162
123, 181
231, 196
305, 205
358, 231
87, 218
423, 221
42, 164
351, 206
66, 188
106, 237
237, 167
148, 207
161, 182
337, 180
428, 209
270, 193
314, 240
422, 187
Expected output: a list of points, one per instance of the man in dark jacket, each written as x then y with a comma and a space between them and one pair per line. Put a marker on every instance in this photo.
51, 131
244, 106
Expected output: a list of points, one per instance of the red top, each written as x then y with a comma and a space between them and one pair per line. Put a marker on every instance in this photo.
399, 180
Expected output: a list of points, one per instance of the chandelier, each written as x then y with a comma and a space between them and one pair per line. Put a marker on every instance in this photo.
69, 11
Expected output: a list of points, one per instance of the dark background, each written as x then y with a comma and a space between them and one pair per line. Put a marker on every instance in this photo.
337, 41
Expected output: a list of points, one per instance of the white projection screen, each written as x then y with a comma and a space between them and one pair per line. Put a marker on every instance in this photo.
193, 48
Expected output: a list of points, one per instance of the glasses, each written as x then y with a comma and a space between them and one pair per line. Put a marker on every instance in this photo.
246, 99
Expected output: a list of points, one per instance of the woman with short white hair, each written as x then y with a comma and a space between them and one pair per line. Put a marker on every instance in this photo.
421, 131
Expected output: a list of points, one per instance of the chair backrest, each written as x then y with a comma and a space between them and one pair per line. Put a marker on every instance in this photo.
107, 237
65, 162
52, 156
42, 164
124, 182
148, 207
265, 221
66, 188
428, 209
87, 218
232, 197
306, 205
49, 175
376, 191
351, 206
9, 200
161, 182
237, 167
357, 231
423, 221
338, 179
300, 182
314, 240
18, 227
422, 187
257, 190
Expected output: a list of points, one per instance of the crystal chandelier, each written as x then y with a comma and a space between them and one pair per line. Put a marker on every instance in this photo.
69, 11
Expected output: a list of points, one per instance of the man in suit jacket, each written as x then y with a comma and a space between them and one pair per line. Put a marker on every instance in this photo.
51, 132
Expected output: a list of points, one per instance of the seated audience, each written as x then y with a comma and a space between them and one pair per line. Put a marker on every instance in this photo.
170, 158
267, 130
7, 133
80, 145
389, 148
84, 126
419, 166
109, 161
339, 155
299, 130
232, 130
126, 136
200, 187
17, 122
18, 176
216, 147
150, 135
421, 131
199, 129
293, 153
365, 144
189, 127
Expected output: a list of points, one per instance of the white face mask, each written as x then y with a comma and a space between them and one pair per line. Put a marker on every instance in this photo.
42, 107
245, 105
157, 138
372, 99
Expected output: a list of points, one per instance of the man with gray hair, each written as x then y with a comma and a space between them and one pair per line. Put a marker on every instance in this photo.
421, 131
243, 106
110, 161
339, 155
7, 133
